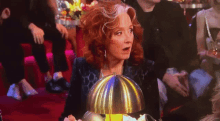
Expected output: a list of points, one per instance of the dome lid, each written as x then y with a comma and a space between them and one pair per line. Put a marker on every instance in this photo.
115, 94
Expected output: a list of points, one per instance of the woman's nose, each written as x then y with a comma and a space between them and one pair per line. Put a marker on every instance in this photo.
128, 37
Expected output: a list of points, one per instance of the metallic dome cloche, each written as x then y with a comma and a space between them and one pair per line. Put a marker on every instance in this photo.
115, 94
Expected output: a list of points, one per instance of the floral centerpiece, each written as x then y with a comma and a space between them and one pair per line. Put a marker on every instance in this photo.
77, 9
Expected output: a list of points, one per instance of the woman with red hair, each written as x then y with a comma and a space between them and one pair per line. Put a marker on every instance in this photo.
113, 39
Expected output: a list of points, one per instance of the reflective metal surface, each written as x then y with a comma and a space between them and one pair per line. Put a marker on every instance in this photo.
89, 116
115, 94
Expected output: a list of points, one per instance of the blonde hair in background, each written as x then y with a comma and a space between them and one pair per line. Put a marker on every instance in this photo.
215, 105
216, 101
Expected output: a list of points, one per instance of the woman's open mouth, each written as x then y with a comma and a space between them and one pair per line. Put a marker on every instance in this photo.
127, 49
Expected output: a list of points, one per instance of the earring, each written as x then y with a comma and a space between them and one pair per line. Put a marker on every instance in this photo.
105, 54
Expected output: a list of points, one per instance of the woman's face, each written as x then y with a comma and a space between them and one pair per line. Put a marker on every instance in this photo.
122, 39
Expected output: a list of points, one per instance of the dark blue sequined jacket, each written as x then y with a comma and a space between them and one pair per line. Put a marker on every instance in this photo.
84, 76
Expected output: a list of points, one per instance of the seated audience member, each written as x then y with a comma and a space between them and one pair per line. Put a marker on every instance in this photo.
12, 64
31, 22
215, 106
208, 31
166, 41
113, 39
195, 109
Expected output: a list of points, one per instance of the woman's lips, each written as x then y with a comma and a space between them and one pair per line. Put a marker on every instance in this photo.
127, 49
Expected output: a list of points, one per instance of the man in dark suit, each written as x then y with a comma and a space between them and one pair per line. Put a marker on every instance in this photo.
32, 21
166, 41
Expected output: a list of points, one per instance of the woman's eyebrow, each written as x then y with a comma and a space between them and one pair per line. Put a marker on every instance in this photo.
121, 28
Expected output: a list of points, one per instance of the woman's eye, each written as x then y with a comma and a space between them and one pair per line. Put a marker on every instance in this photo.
131, 30
118, 33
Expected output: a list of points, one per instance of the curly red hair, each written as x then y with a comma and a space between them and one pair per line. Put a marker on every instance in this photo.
97, 30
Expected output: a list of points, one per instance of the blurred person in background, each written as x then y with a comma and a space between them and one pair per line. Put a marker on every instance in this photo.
12, 63
208, 32
215, 116
33, 21
166, 41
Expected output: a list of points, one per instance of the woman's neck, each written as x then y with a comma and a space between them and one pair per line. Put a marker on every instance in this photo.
114, 66
146, 6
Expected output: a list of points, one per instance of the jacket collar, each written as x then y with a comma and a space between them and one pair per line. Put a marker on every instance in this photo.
126, 69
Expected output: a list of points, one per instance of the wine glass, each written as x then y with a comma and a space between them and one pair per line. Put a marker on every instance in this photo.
216, 46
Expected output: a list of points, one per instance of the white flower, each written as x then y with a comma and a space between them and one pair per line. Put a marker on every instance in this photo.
128, 118
142, 118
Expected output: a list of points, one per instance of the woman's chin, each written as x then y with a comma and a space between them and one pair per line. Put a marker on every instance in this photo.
125, 57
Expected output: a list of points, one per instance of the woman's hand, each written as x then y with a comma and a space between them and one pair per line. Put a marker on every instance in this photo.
203, 54
71, 118
218, 36
173, 82
62, 30
37, 33
183, 78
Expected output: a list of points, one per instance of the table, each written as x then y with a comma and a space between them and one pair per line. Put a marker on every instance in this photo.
68, 23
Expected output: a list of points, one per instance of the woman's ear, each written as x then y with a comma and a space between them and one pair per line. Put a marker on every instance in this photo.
5, 13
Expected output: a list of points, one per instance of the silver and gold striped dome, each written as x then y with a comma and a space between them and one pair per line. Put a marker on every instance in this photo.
115, 94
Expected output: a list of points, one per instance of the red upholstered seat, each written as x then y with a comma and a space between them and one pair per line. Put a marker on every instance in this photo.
32, 71
48, 47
